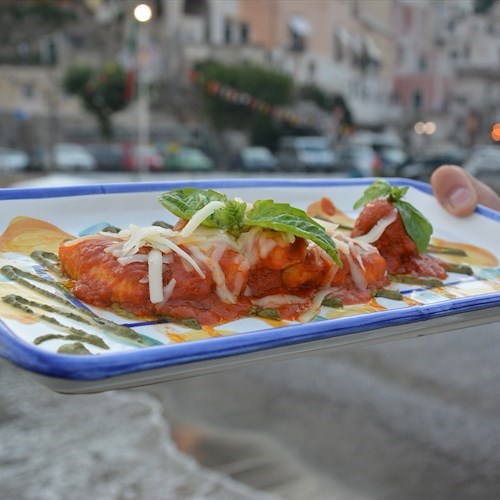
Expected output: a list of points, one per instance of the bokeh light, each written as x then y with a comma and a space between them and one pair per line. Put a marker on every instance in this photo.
425, 128
143, 13
495, 132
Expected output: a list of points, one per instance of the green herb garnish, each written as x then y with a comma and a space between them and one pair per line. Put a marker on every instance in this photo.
384, 293
232, 217
265, 313
335, 302
73, 348
186, 202
417, 226
416, 280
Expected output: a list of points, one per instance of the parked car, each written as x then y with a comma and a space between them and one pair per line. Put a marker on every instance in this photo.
393, 158
306, 153
484, 163
254, 159
13, 160
359, 161
421, 167
126, 157
187, 158
64, 156
112, 157
388, 147
147, 157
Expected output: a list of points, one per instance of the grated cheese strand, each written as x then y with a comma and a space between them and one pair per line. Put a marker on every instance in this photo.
277, 300
200, 216
155, 275
168, 289
377, 230
313, 311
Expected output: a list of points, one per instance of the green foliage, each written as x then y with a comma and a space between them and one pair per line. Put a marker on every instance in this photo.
272, 87
483, 6
48, 12
313, 93
331, 103
102, 91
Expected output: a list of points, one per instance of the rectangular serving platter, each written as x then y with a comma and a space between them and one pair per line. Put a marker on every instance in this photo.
464, 301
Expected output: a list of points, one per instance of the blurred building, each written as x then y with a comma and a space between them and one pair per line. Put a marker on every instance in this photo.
395, 62
474, 50
448, 69
344, 47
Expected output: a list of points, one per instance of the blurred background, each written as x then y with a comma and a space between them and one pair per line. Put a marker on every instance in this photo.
116, 90
349, 88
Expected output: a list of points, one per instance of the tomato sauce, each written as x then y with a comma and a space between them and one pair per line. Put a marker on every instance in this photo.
395, 245
230, 284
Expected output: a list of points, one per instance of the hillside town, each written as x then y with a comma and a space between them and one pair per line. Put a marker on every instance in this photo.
423, 75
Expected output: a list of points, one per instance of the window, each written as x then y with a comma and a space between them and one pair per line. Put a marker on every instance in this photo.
244, 33
338, 49
423, 63
227, 30
297, 43
311, 70
299, 30
195, 7
417, 100
236, 32
28, 91
341, 43
467, 51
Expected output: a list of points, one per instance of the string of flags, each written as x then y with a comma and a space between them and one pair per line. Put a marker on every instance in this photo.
237, 97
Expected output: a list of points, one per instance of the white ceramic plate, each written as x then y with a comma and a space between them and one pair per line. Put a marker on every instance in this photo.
177, 352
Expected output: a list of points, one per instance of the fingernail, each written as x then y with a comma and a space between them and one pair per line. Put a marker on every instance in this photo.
459, 197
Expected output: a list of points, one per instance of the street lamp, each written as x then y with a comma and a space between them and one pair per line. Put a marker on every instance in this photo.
142, 14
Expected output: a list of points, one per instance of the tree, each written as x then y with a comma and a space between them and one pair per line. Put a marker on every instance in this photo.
482, 6
332, 103
102, 91
253, 83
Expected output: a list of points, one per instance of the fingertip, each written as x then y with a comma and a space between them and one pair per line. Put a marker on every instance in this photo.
454, 190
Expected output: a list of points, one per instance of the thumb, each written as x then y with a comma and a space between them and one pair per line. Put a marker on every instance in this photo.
459, 192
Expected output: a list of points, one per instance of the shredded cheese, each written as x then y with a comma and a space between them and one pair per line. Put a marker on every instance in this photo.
278, 300
357, 274
328, 226
168, 289
313, 311
377, 230
130, 240
218, 275
200, 216
155, 276
129, 259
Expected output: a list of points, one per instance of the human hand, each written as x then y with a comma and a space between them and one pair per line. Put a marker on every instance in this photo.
459, 192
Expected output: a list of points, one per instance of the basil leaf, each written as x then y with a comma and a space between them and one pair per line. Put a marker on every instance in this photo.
381, 189
231, 217
185, 202
291, 220
378, 189
397, 193
417, 226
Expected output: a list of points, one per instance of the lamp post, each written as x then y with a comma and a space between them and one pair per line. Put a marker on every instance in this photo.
142, 14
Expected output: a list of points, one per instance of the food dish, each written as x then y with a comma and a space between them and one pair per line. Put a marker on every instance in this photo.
172, 351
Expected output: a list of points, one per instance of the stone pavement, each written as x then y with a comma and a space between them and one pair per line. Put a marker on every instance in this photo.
110, 446
411, 419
